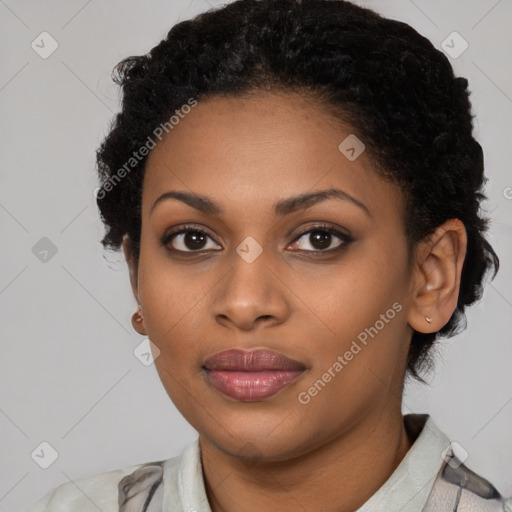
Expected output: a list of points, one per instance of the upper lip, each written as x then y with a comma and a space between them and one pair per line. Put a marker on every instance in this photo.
254, 360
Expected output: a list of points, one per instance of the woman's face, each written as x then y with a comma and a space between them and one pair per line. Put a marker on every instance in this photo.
335, 303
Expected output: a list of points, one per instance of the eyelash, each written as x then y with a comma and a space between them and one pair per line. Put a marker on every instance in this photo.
187, 228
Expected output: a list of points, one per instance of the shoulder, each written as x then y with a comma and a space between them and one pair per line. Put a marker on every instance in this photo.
102, 491
458, 488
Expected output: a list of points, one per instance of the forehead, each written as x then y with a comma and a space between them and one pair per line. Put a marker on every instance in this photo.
256, 150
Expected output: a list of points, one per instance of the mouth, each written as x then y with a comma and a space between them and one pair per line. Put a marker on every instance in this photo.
250, 376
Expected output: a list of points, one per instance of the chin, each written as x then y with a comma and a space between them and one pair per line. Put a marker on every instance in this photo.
253, 444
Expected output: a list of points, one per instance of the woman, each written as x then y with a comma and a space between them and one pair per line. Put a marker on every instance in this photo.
296, 190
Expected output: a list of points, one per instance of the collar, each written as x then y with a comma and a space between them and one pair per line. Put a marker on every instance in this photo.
407, 488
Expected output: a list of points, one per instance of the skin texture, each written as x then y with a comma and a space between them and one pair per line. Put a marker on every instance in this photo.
334, 452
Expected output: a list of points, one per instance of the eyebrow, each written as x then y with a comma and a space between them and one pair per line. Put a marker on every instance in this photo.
282, 207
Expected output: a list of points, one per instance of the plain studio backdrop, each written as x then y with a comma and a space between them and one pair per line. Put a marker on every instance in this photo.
69, 376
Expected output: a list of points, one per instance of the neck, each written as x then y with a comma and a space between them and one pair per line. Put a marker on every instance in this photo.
338, 476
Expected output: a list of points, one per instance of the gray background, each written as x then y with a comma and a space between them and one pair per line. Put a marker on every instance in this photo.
68, 372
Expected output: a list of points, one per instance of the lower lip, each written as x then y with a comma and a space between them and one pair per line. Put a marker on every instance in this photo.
251, 386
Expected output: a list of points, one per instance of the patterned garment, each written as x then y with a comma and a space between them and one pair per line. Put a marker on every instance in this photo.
143, 490
456, 489
424, 481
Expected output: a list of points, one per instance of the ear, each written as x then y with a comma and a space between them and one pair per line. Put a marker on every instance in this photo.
133, 271
437, 276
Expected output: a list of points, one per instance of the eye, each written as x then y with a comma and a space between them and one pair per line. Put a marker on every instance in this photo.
187, 239
320, 238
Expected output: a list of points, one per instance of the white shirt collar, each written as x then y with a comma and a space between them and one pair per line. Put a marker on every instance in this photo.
407, 489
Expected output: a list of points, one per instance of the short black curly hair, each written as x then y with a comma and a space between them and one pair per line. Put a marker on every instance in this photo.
394, 88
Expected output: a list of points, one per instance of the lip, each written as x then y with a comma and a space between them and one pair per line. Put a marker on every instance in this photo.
250, 376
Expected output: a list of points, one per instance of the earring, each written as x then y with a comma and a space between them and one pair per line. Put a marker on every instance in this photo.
428, 319
138, 314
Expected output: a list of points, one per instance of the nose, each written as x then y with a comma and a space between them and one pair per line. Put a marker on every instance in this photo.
251, 294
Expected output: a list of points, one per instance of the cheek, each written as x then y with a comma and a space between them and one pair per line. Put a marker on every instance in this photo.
354, 371
361, 307
350, 296
174, 310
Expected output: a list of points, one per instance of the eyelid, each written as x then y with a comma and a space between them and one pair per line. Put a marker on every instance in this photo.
338, 232
322, 226
183, 228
